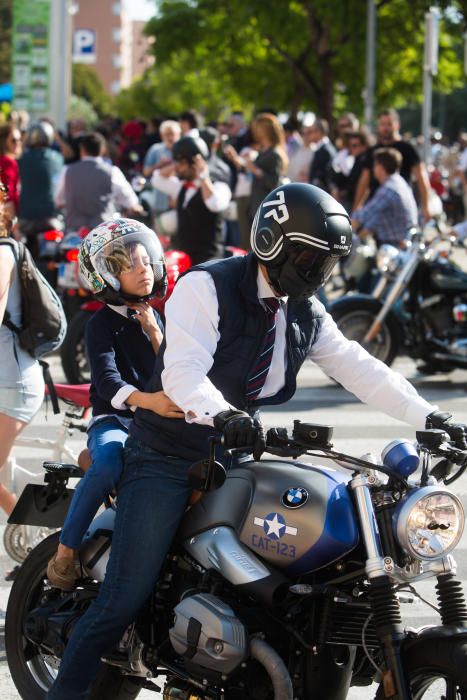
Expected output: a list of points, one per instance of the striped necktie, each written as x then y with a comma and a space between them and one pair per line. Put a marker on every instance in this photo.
260, 370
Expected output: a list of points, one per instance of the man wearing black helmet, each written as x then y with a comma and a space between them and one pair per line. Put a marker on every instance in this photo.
237, 332
39, 169
200, 201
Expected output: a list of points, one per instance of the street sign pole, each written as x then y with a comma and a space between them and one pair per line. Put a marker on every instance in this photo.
370, 63
60, 47
430, 68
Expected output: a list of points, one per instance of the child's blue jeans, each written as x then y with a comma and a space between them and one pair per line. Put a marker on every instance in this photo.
106, 439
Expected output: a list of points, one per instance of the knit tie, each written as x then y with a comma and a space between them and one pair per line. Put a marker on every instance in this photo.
260, 370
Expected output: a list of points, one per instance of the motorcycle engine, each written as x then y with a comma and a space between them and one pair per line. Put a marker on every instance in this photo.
206, 632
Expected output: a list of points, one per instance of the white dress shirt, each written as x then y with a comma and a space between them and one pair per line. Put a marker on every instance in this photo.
123, 195
217, 202
192, 333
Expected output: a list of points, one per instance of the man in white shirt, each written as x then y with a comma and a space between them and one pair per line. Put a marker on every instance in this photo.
200, 201
300, 163
237, 332
92, 190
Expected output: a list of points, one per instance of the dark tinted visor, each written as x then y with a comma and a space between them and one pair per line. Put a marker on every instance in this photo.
313, 265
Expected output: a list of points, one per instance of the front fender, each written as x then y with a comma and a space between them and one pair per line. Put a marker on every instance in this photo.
351, 302
434, 632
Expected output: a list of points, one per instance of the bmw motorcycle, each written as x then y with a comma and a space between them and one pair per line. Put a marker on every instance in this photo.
284, 581
418, 307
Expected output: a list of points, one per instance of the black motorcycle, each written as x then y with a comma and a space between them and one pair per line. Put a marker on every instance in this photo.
418, 307
283, 584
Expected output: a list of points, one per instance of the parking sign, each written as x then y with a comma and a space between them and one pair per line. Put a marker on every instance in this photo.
84, 46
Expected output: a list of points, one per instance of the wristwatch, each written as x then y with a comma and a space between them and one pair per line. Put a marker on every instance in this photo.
204, 175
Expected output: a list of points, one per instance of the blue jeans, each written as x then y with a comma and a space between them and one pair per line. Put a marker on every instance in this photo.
152, 497
106, 439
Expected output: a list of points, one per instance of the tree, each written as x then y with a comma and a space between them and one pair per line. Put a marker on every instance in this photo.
79, 108
5, 40
303, 53
87, 84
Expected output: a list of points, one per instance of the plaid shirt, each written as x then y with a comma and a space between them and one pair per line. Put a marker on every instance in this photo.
391, 212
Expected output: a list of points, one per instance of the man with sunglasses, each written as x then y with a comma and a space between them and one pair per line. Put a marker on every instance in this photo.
200, 199
237, 332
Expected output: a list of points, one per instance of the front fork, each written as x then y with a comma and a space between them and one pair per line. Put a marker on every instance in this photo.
398, 287
384, 602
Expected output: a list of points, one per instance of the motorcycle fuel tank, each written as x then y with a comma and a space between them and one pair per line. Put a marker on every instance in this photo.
447, 277
297, 517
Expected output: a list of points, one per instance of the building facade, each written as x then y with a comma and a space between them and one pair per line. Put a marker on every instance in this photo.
105, 38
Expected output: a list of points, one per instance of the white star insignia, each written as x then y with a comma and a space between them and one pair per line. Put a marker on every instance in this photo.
275, 526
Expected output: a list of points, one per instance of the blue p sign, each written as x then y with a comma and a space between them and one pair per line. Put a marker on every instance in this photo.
84, 46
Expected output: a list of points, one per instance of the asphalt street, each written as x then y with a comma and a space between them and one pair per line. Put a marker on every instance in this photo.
357, 430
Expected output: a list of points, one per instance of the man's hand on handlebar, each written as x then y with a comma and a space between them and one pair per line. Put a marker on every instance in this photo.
240, 430
456, 431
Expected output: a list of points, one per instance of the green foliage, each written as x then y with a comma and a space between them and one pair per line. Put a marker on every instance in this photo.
291, 54
5, 40
87, 84
79, 108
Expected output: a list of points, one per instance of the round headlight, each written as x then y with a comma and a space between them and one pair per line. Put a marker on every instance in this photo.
387, 258
429, 523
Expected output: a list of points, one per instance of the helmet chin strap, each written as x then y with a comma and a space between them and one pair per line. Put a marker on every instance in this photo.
273, 279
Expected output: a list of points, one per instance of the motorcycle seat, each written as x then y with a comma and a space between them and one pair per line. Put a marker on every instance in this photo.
65, 470
77, 394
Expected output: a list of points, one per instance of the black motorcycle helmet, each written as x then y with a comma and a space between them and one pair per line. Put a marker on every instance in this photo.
299, 233
40, 135
188, 147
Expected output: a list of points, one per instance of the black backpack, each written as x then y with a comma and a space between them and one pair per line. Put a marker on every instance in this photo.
43, 322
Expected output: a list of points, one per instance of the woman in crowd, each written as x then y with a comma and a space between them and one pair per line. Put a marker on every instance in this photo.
10, 151
21, 381
271, 163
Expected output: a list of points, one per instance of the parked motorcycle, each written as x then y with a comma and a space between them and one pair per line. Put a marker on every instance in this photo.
72, 292
44, 238
285, 583
418, 307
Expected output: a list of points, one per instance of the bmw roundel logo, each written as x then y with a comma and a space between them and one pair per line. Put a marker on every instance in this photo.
295, 497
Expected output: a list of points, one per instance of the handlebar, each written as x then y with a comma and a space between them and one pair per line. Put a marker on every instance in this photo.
315, 440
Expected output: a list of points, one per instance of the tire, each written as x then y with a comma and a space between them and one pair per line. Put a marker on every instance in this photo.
436, 666
354, 318
19, 540
34, 676
73, 351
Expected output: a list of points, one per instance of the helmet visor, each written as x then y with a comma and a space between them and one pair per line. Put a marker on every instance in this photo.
313, 266
131, 253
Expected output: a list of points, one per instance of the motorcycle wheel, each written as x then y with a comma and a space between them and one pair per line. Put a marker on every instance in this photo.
354, 321
73, 351
437, 669
19, 540
32, 671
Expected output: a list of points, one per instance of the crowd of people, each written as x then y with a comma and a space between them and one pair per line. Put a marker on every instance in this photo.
287, 192
87, 175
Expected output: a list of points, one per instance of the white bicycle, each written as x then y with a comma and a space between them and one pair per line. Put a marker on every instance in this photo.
19, 540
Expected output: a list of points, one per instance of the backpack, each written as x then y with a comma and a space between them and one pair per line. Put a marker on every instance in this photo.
43, 322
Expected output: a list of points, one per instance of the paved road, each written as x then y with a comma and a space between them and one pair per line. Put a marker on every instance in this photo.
358, 430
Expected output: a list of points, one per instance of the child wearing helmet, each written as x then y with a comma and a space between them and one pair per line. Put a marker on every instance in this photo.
122, 262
